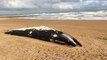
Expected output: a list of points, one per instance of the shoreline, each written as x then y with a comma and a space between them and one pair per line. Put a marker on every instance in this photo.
53, 19
49, 19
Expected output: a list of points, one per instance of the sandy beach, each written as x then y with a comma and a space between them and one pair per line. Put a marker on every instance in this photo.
91, 34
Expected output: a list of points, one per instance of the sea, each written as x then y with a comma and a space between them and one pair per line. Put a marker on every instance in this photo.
78, 15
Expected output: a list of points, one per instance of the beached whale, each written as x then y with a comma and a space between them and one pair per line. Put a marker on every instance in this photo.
47, 34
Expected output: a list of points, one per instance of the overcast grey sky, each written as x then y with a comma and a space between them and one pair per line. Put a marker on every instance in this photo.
30, 6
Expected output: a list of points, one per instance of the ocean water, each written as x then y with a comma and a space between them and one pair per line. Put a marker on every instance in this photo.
83, 15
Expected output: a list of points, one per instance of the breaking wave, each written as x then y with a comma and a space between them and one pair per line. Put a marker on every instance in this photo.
83, 15
96, 15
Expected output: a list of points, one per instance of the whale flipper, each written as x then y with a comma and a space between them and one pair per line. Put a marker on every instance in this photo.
77, 42
68, 39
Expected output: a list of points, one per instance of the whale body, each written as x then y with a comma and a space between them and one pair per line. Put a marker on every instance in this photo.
47, 34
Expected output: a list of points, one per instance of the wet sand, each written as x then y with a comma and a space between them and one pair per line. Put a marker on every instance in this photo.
91, 34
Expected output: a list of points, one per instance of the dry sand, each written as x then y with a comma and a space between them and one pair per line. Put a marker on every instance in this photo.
91, 34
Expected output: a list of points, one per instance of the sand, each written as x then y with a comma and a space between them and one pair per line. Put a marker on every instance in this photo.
91, 34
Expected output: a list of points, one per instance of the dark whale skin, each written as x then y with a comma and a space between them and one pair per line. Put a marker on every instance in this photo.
47, 35
68, 39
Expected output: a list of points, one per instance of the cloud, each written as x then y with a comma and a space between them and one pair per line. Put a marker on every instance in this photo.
26, 3
52, 5
16, 4
63, 6
75, 5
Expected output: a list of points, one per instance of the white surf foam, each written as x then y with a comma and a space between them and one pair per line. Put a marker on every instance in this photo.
96, 15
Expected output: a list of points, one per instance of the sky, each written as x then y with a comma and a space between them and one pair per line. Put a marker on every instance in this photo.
37, 6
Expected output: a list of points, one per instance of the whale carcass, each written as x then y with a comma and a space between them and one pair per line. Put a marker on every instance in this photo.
47, 34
